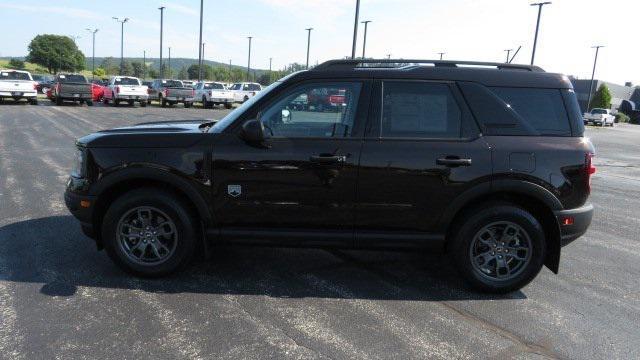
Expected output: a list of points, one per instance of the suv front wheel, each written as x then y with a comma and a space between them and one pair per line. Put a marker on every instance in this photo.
499, 248
149, 232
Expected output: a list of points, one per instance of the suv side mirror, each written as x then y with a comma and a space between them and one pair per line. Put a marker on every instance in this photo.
253, 132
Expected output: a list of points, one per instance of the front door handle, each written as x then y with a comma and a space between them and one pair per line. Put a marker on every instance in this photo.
453, 161
327, 159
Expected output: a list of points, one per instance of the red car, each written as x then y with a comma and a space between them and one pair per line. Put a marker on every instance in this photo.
97, 92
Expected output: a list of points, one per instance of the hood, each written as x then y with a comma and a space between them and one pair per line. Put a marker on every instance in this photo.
162, 134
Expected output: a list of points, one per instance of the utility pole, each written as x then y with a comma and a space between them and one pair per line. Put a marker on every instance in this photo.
249, 59
203, 59
169, 64
364, 44
270, 59
93, 51
508, 51
161, 25
144, 64
121, 42
441, 54
535, 39
308, 44
593, 73
388, 56
355, 30
200, 45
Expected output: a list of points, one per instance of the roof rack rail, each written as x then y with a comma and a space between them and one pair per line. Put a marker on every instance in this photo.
350, 64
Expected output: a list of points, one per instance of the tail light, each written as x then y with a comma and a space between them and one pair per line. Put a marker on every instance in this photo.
193, 92
35, 86
165, 92
117, 89
590, 169
210, 93
58, 88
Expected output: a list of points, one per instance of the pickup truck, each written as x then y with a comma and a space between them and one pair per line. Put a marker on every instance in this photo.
71, 87
213, 93
125, 89
600, 117
244, 91
17, 85
170, 92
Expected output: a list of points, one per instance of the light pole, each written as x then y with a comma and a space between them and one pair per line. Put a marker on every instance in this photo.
161, 25
202, 60
93, 51
249, 58
508, 51
441, 54
169, 64
200, 45
121, 42
535, 39
308, 44
364, 44
270, 60
355, 30
144, 64
388, 56
593, 73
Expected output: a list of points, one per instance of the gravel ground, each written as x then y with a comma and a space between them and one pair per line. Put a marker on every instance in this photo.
60, 298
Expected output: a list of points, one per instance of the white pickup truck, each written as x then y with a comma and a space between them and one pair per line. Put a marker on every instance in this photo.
17, 85
244, 91
213, 93
601, 117
125, 89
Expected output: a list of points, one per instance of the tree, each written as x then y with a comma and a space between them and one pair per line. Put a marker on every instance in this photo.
182, 74
153, 73
99, 72
16, 64
137, 68
56, 52
602, 98
110, 66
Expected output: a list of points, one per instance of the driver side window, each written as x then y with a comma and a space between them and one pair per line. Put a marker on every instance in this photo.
314, 110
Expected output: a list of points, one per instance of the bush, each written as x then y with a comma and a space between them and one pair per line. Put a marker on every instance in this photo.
99, 72
16, 64
622, 118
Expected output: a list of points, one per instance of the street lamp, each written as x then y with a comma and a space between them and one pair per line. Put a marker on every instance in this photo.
161, 24
355, 30
121, 42
270, 60
249, 59
308, 44
93, 51
144, 64
535, 39
364, 44
441, 54
595, 60
508, 51
169, 65
200, 45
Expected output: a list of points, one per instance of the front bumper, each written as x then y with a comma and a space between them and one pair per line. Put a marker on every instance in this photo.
577, 222
80, 205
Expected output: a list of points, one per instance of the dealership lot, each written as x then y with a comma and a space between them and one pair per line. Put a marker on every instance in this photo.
59, 298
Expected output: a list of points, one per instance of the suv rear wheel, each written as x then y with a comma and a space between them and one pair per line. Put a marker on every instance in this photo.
499, 248
149, 232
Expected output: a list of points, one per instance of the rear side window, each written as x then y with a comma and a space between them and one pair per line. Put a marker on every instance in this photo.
543, 109
419, 110
254, 87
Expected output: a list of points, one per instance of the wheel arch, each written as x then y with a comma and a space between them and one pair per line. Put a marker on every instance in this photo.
533, 198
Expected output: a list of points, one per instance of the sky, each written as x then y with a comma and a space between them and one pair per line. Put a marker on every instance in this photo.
477, 30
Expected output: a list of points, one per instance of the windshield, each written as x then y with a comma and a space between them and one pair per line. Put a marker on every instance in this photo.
72, 78
213, 86
172, 83
14, 75
598, 111
126, 81
232, 116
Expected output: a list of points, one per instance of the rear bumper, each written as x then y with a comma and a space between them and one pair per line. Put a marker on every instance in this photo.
179, 99
578, 221
144, 97
18, 94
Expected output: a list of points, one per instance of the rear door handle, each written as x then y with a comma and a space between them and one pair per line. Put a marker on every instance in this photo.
453, 162
327, 159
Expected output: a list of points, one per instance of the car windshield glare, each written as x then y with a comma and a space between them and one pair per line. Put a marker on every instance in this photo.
235, 114
14, 75
126, 81
72, 78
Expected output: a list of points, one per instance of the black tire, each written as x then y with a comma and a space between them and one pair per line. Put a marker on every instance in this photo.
143, 103
89, 102
479, 219
33, 101
58, 101
188, 105
130, 102
163, 102
228, 106
116, 102
186, 230
105, 101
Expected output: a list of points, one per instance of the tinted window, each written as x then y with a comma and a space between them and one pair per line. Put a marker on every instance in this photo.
302, 112
253, 87
14, 75
598, 111
543, 109
72, 78
172, 83
126, 81
213, 86
419, 110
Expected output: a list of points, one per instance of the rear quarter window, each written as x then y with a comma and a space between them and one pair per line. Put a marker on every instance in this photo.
542, 109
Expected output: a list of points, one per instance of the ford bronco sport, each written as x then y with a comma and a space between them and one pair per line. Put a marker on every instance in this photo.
486, 162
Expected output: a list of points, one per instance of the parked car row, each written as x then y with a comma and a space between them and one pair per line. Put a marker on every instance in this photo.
18, 85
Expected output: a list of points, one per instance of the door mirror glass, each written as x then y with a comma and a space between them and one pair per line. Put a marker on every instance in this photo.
286, 116
253, 132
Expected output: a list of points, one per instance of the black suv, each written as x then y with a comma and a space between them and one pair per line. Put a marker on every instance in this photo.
486, 162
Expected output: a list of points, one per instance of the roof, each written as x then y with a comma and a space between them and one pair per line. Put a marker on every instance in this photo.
487, 73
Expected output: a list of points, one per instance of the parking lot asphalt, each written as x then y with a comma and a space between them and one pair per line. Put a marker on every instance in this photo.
60, 298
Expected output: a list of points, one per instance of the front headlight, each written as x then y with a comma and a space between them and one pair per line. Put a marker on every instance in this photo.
79, 164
